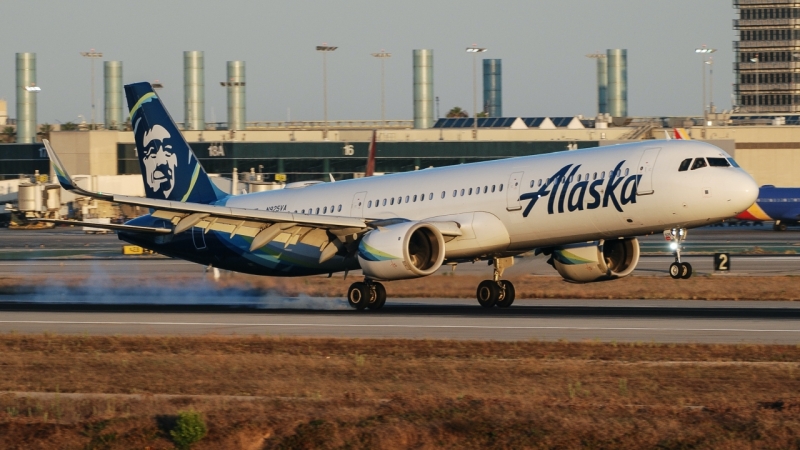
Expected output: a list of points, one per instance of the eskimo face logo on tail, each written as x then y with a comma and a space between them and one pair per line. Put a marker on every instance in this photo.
564, 194
159, 160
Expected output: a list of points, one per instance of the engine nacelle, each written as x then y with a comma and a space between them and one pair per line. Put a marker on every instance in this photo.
400, 251
596, 261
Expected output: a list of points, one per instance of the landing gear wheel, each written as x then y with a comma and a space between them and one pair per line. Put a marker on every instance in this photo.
686, 271
507, 293
359, 295
488, 293
675, 270
380, 297
779, 226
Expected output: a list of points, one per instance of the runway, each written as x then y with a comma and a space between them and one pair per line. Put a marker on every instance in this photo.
573, 320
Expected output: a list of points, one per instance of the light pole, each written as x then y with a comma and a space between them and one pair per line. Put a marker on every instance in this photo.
325, 48
755, 60
475, 50
92, 55
710, 63
382, 55
703, 51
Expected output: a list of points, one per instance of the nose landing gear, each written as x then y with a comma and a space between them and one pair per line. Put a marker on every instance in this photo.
677, 269
497, 292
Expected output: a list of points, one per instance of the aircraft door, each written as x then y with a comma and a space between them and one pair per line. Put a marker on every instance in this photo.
512, 193
199, 238
645, 169
357, 209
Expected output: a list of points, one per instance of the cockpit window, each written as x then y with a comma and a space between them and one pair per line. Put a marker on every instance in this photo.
699, 163
685, 165
718, 162
733, 162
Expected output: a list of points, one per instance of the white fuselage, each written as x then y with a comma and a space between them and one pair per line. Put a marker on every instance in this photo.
500, 219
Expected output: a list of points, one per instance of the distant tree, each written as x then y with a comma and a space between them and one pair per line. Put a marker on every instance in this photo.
9, 134
69, 126
457, 112
483, 114
44, 130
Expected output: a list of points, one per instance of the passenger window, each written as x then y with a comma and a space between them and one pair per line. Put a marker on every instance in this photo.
493, 186
340, 208
462, 192
587, 177
399, 200
392, 201
603, 175
626, 172
699, 163
477, 190
415, 197
685, 165
303, 211
594, 176
384, 202
718, 162
485, 189
455, 192
540, 181
579, 177
317, 213
331, 209
430, 197
533, 182
470, 191
501, 188
407, 197
325, 210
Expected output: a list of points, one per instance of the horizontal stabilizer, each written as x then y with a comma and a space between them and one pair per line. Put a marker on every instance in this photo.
108, 226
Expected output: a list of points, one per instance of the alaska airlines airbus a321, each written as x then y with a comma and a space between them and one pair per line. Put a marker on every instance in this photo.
583, 208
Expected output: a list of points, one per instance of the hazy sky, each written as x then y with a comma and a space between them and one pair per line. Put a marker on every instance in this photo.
542, 45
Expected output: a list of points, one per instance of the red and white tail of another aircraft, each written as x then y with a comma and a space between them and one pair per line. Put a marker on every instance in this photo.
678, 134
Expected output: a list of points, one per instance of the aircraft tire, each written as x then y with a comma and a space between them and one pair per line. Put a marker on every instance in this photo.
358, 295
779, 226
380, 297
675, 270
508, 296
686, 271
488, 293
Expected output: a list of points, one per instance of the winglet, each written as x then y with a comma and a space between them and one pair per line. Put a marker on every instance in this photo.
63, 177
61, 173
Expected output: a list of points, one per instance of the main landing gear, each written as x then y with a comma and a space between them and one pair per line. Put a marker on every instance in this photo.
677, 269
497, 292
367, 294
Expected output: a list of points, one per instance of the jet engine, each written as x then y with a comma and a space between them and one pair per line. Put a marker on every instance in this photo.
400, 251
596, 261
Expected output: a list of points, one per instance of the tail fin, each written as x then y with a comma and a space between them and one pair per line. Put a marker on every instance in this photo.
371, 157
170, 169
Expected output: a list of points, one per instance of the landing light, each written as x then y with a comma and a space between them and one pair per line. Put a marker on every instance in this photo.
673, 245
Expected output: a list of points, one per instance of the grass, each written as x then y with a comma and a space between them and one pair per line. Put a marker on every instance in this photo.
276, 392
459, 286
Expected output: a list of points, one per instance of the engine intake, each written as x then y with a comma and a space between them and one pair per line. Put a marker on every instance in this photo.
596, 261
401, 251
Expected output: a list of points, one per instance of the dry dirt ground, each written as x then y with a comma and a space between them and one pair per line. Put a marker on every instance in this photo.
269, 392
447, 286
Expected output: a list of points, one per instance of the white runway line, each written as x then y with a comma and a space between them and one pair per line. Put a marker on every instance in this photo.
327, 325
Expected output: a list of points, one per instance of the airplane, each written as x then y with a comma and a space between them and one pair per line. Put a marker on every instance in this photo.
582, 208
781, 204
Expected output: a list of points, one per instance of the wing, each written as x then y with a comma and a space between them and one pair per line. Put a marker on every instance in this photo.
262, 226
